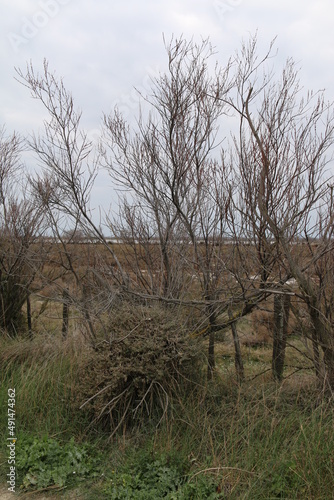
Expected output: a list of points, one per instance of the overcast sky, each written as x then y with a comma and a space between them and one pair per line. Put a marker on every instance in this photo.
105, 48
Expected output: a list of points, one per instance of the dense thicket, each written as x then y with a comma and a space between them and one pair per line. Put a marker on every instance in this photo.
220, 226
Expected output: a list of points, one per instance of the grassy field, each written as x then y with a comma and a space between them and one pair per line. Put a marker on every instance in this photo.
191, 439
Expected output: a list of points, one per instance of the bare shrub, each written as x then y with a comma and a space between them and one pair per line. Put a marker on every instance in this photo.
133, 376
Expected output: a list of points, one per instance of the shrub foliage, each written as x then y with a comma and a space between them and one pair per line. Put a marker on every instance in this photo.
135, 373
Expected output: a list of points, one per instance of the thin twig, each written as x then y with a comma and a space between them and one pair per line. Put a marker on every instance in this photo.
259, 374
49, 488
166, 405
212, 469
95, 395
142, 399
121, 421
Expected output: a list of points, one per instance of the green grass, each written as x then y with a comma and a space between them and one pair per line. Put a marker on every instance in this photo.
43, 373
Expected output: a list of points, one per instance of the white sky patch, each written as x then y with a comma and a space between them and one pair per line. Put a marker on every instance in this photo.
105, 49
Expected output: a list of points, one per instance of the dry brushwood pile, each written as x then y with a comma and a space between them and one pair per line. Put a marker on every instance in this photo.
134, 373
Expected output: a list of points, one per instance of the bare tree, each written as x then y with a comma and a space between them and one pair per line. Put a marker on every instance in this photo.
63, 187
21, 224
281, 156
169, 165
268, 191
65, 153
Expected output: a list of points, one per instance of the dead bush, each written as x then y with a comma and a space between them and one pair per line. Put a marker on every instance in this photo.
133, 376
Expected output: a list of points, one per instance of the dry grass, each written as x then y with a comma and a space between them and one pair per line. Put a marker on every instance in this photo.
258, 440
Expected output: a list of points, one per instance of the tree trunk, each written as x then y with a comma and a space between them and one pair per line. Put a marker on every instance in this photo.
323, 335
239, 366
85, 296
211, 349
281, 318
64, 329
329, 366
316, 356
211, 355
